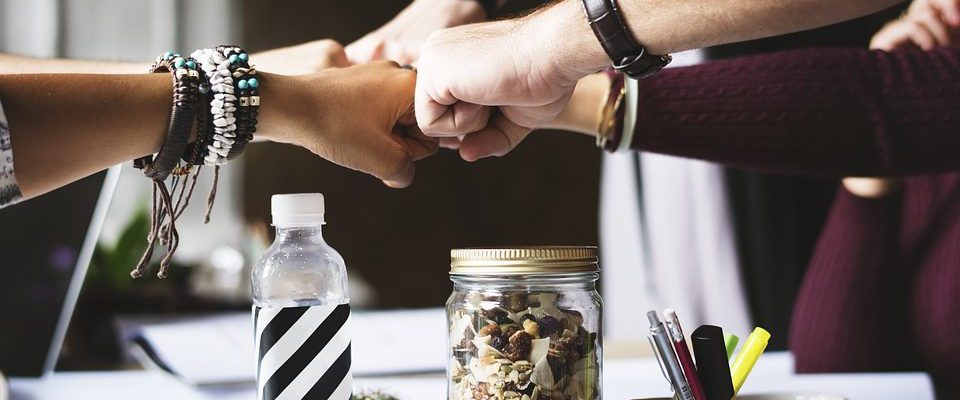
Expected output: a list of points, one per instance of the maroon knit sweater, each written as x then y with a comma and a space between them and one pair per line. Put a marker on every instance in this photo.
836, 112
882, 292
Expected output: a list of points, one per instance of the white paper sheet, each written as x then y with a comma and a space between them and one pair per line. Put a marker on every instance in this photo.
220, 349
120, 385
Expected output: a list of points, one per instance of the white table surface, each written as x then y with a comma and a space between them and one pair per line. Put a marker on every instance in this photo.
623, 379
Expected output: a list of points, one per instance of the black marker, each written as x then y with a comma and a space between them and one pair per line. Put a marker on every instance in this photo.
712, 364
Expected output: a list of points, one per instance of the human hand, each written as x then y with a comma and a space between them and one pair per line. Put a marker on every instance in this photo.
359, 117
926, 24
484, 87
949, 10
400, 39
305, 58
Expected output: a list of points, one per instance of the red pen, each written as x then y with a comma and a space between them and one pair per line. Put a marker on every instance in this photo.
683, 353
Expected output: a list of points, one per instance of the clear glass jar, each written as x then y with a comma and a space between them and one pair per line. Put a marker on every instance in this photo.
525, 324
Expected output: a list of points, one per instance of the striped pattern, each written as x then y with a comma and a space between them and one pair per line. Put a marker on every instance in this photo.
303, 352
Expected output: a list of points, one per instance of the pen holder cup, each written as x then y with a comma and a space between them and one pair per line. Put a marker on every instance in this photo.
774, 396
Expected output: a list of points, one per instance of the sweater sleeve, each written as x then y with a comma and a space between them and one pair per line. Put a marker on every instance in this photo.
829, 112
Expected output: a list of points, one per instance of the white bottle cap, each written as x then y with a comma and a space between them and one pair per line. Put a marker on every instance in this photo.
297, 209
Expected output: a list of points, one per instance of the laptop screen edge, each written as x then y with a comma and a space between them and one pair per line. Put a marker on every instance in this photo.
83, 263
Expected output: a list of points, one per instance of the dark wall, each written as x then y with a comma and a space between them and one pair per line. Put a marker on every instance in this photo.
545, 192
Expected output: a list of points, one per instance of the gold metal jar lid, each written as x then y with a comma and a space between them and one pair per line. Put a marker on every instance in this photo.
523, 260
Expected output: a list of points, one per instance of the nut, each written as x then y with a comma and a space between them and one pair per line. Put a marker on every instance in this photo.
527, 317
575, 319
480, 392
519, 346
531, 327
490, 330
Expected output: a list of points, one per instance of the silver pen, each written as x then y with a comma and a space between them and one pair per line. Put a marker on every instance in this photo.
665, 349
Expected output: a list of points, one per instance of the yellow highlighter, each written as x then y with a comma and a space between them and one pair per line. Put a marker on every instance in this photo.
747, 357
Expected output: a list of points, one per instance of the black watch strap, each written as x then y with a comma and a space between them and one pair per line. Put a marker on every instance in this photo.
628, 55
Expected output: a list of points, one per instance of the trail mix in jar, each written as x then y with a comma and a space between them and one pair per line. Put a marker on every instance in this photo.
521, 346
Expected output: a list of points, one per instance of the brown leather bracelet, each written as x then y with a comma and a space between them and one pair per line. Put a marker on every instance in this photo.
627, 54
186, 82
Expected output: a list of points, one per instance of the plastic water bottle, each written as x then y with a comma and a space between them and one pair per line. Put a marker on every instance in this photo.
301, 309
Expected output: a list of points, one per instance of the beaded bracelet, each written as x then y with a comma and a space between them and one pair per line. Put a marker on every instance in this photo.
223, 106
235, 102
248, 97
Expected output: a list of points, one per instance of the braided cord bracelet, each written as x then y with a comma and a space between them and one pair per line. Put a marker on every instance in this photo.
165, 210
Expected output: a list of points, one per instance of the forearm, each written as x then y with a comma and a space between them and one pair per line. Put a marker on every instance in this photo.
14, 64
67, 126
833, 112
666, 26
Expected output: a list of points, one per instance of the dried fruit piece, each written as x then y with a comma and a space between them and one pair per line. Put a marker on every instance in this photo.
509, 330
497, 315
516, 302
570, 348
549, 325
519, 346
551, 395
498, 342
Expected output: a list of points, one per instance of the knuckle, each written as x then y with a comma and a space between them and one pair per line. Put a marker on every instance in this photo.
394, 164
332, 46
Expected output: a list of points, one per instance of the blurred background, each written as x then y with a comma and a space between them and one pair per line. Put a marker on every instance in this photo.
555, 188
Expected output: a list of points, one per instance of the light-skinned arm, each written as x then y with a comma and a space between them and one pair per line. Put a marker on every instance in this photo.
492, 83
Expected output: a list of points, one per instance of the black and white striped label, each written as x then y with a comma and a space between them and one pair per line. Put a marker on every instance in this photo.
303, 352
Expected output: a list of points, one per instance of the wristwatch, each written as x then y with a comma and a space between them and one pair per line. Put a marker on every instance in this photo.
628, 55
